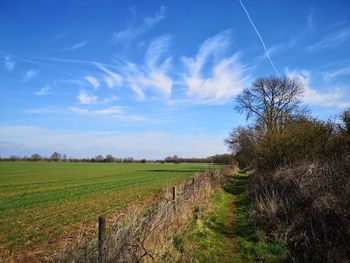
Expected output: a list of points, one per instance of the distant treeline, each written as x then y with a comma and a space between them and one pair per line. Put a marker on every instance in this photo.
109, 158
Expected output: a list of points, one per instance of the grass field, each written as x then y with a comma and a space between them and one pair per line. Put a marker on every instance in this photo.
40, 201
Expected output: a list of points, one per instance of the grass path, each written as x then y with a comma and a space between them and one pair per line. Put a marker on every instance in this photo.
223, 230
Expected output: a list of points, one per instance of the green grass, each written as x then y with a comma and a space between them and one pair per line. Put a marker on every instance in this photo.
40, 201
210, 236
223, 230
252, 245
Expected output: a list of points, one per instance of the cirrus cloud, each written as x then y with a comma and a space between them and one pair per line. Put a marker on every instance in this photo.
9, 63
31, 74
85, 98
93, 82
153, 74
330, 98
44, 90
225, 78
133, 32
114, 111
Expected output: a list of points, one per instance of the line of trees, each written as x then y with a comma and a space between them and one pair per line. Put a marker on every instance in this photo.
109, 158
58, 157
217, 159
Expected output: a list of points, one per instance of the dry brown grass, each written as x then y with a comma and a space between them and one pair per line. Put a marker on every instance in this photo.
308, 208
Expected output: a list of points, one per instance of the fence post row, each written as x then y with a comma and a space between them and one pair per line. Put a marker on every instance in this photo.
101, 238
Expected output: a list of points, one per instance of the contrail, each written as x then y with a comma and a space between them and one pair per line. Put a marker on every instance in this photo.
261, 39
42, 65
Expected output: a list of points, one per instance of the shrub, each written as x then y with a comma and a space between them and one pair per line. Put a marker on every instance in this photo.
308, 208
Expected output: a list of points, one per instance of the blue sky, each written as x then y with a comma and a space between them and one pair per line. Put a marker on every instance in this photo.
155, 78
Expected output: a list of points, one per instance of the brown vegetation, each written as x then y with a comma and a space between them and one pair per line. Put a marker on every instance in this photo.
308, 208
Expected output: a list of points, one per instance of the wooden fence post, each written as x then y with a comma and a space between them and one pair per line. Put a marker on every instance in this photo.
174, 197
193, 189
101, 238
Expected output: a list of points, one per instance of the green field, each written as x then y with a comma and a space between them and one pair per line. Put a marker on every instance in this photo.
40, 201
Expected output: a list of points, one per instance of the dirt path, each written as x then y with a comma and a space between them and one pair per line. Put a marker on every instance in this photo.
224, 232
250, 245
212, 236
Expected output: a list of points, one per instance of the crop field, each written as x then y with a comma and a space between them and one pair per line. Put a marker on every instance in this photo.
40, 201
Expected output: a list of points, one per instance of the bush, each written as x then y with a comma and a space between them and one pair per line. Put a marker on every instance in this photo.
308, 208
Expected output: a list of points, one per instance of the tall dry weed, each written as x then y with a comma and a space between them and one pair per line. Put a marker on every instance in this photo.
308, 208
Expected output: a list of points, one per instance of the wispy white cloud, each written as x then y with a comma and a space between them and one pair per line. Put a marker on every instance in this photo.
226, 77
41, 64
108, 111
112, 82
152, 75
76, 46
85, 98
30, 74
9, 63
109, 99
126, 35
112, 79
114, 111
158, 16
309, 23
260, 37
133, 32
59, 36
331, 98
331, 40
156, 49
293, 41
336, 73
276, 49
44, 90
93, 82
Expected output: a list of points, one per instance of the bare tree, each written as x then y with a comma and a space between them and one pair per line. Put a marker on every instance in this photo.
99, 158
109, 158
242, 143
128, 160
56, 156
36, 157
271, 100
345, 119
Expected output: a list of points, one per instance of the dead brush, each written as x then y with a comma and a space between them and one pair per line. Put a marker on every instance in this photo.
308, 208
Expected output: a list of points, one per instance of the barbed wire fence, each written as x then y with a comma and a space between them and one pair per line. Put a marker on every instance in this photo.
146, 235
